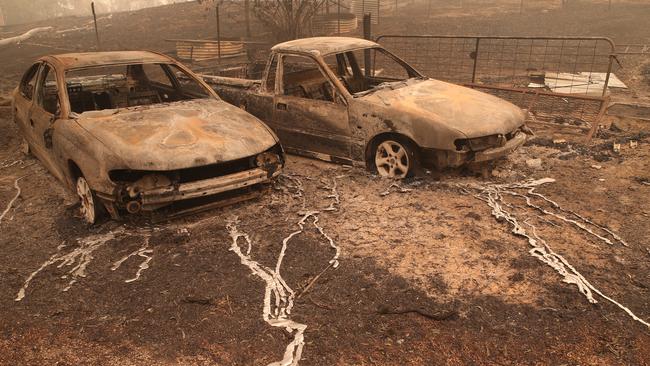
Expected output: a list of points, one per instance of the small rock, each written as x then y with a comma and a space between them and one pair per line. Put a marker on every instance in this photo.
633, 144
534, 163
559, 141
617, 148
601, 180
597, 167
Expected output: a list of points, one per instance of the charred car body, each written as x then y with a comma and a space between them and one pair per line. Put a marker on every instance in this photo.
349, 100
137, 131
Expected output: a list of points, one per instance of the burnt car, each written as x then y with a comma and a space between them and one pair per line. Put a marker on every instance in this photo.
349, 100
137, 131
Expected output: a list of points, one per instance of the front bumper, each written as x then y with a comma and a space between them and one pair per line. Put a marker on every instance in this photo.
453, 159
499, 152
154, 198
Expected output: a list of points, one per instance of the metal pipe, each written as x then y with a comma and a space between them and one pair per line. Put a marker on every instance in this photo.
92, 6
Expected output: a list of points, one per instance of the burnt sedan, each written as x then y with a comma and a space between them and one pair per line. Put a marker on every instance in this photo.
136, 131
350, 100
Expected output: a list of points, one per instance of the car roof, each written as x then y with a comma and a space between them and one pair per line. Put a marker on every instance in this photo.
324, 46
90, 59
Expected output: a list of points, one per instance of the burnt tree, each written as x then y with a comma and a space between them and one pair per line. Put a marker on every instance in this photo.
286, 19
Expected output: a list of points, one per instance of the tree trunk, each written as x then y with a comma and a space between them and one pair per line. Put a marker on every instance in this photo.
23, 37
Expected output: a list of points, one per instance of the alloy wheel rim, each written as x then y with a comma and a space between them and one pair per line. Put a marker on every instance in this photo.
87, 201
392, 160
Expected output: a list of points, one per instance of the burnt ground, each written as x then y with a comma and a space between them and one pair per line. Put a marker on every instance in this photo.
427, 276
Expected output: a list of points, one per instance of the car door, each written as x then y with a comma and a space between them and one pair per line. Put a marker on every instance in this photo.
23, 100
309, 114
43, 116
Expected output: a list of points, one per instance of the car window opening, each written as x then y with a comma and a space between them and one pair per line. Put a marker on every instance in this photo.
114, 87
303, 78
358, 78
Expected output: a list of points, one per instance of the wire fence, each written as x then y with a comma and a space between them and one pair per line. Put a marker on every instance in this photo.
561, 79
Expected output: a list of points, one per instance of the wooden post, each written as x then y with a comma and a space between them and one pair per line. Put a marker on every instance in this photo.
92, 6
338, 10
367, 34
247, 17
218, 34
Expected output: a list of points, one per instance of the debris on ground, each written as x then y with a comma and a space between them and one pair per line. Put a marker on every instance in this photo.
493, 196
11, 202
534, 163
79, 258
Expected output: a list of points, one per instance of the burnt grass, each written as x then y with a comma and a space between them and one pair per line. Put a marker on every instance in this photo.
188, 305
197, 304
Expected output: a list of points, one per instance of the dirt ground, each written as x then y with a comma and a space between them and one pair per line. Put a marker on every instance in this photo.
427, 274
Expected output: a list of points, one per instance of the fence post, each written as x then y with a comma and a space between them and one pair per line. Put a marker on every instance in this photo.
92, 6
338, 10
475, 60
218, 34
367, 34
247, 17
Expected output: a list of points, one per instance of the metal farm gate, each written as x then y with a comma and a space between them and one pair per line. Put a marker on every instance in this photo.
562, 80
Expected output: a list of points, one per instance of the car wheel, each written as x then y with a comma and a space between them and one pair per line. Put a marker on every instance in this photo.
90, 205
395, 159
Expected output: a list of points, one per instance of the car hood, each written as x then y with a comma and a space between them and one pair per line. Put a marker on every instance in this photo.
470, 112
179, 135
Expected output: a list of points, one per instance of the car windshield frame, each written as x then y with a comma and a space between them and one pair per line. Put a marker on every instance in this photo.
174, 71
351, 63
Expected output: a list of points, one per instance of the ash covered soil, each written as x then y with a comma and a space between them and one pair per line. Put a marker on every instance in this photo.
427, 274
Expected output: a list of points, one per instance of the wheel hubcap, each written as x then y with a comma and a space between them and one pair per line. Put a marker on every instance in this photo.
86, 199
392, 160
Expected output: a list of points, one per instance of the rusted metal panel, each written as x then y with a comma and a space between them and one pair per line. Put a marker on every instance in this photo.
434, 115
193, 148
333, 23
323, 46
89, 59
205, 187
201, 50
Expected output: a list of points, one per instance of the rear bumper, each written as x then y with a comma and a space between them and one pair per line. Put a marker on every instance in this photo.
155, 198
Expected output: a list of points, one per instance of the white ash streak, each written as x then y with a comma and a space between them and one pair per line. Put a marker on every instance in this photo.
275, 314
11, 202
532, 192
5, 165
492, 195
144, 252
79, 258
334, 262
334, 196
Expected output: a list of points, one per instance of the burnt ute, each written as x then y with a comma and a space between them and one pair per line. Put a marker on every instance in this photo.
137, 131
350, 100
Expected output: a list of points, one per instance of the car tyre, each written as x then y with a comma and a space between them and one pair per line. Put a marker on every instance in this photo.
395, 158
91, 207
